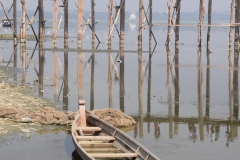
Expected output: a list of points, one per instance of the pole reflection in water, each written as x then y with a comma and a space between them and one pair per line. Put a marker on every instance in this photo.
65, 79
110, 81
92, 77
80, 74
207, 89
121, 81
41, 69
176, 86
235, 85
200, 95
140, 92
55, 74
169, 83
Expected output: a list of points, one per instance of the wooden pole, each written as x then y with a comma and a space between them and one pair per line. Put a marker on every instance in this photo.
93, 20
55, 73
122, 24
237, 20
41, 69
170, 7
15, 20
80, 17
235, 85
110, 82
178, 6
150, 22
41, 21
55, 20
140, 93
141, 12
230, 84
80, 75
231, 21
110, 22
207, 113
201, 19
23, 36
92, 78
66, 23
209, 23
65, 79
176, 87
121, 82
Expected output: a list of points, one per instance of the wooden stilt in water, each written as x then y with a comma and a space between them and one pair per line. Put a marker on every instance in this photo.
110, 81
209, 23
41, 21
170, 7
23, 36
93, 21
66, 23
41, 69
150, 23
201, 19
122, 24
121, 82
140, 93
176, 87
65, 79
55, 19
80, 18
178, 6
80, 74
110, 22
55, 73
141, 12
231, 22
92, 78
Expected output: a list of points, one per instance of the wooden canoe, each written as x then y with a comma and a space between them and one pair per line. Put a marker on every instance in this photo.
94, 138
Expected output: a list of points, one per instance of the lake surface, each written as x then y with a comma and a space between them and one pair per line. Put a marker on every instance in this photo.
185, 101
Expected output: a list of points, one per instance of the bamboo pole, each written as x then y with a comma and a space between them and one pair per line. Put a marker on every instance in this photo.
209, 23
121, 82
65, 80
141, 12
41, 21
201, 20
93, 20
55, 19
122, 24
110, 22
66, 23
170, 7
231, 22
92, 78
80, 17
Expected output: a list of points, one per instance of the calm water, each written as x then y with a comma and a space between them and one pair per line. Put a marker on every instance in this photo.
186, 102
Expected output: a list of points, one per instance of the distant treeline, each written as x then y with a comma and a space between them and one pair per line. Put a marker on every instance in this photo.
185, 16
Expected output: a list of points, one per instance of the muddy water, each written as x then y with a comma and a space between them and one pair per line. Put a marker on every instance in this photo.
186, 101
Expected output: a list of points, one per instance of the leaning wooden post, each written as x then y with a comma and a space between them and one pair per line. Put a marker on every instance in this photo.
55, 19
122, 24
15, 20
110, 22
209, 23
141, 12
150, 22
231, 22
23, 36
201, 19
66, 22
170, 7
82, 113
93, 20
41, 21
80, 18
178, 11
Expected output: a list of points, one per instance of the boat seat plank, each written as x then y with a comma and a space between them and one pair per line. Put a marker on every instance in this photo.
101, 149
89, 142
95, 145
89, 129
95, 138
113, 155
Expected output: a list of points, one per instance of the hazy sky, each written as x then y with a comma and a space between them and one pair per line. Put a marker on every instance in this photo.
131, 5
